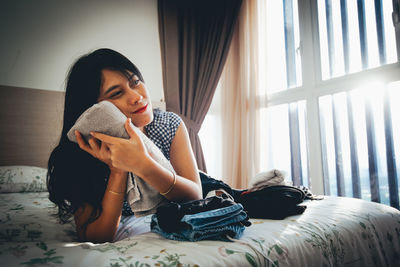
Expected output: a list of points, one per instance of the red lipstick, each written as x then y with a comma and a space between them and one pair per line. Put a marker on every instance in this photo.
141, 110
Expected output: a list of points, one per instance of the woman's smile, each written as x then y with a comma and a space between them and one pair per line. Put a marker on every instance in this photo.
141, 110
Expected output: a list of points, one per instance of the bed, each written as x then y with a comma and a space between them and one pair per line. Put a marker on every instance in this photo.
331, 232
335, 231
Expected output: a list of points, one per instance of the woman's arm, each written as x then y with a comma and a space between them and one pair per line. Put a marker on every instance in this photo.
184, 163
187, 185
104, 227
113, 152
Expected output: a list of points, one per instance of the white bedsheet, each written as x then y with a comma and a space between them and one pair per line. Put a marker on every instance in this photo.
331, 232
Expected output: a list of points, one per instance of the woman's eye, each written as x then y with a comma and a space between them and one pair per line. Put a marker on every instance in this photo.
134, 82
115, 94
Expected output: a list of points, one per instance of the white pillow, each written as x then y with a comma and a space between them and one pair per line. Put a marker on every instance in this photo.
22, 179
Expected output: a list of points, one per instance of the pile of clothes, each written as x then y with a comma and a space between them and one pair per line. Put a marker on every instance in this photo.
269, 196
212, 218
224, 212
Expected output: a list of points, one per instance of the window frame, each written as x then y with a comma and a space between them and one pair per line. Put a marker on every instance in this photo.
313, 86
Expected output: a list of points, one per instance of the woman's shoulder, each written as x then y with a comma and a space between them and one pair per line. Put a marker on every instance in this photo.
165, 118
163, 128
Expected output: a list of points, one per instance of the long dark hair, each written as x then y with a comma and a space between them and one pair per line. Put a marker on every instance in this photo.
75, 177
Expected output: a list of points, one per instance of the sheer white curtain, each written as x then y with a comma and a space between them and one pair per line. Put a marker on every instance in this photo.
237, 107
211, 136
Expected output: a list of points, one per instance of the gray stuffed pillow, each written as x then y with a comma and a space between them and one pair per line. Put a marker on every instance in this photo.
104, 117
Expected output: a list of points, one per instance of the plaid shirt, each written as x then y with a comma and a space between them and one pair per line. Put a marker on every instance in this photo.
162, 130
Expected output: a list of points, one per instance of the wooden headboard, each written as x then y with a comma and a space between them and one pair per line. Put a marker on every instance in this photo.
30, 124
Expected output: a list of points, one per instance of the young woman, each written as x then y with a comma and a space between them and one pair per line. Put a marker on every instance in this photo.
88, 180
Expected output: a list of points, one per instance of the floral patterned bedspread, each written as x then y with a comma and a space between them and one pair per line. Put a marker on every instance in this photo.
331, 232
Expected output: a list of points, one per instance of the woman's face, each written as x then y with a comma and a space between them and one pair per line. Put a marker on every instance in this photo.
128, 94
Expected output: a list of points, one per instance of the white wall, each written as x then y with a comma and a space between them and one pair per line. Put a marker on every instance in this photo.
40, 39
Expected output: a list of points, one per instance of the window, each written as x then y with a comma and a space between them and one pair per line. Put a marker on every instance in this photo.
332, 117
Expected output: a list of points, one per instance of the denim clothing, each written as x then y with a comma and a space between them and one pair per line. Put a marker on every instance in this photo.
213, 224
170, 215
215, 218
220, 233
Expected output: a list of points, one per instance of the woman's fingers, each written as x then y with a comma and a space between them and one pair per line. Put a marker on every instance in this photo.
131, 132
105, 150
113, 150
105, 138
94, 145
82, 143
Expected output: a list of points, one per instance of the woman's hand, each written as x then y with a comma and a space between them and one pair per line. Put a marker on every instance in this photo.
95, 148
125, 154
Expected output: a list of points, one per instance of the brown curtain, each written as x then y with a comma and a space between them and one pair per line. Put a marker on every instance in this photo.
195, 36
